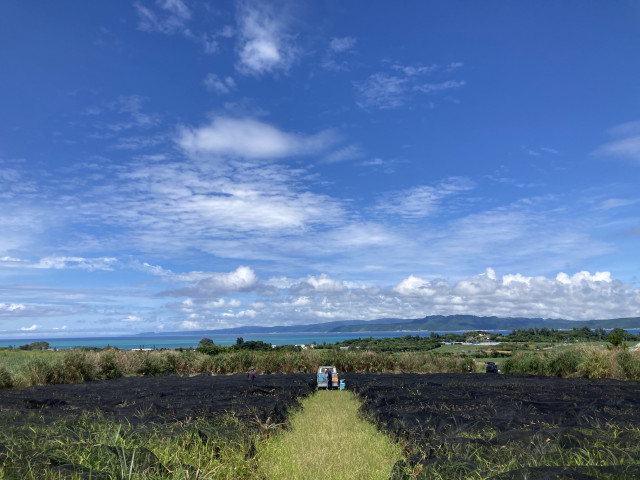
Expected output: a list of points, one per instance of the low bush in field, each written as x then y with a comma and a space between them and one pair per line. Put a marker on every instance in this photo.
586, 362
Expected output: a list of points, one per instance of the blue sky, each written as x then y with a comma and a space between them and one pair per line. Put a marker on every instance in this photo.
176, 165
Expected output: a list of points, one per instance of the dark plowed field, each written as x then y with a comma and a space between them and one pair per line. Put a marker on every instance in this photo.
452, 422
164, 399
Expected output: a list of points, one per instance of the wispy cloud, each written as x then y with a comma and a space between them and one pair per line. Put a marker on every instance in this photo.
338, 46
264, 43
437, 87
63, 263
349, 152
384, 90
423, 200
169, 19
123, 113
625, 143
537, 152
219, 85
175, 17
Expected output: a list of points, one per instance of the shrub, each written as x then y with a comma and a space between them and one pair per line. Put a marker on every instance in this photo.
77, 366
186, 361
629, 364
563, 364
109, 366
151, 364
595, 364
522, 363
38, 372
6, 380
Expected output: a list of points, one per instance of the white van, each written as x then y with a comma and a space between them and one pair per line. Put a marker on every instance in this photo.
322, 376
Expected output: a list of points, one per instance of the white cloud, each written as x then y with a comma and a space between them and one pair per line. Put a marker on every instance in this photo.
91, 264
624, 148
437, 87
384, 90
124, 113
171, 19
11, 307
190, 325
29, 329
133, 319
581, 296
337, 47
414, 286
264, 46
626, 142
349, 152
424, 200
342, 44
219, 85
243, 279
322, 284
611, 203
12, 261
249, 138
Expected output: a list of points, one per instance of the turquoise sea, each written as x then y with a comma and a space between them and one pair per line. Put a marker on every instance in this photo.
187, 341
191, 341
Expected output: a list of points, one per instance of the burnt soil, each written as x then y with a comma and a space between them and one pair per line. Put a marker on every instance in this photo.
490, 411
164, 399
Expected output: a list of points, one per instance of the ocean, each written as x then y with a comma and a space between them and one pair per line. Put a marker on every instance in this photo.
157, 342
190, 341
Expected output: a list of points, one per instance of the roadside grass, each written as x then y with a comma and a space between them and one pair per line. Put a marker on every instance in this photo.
328, 440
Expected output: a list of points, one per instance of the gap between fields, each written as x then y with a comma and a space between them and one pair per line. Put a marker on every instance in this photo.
328, 440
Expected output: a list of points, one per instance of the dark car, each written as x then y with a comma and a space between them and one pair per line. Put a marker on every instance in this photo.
492, 367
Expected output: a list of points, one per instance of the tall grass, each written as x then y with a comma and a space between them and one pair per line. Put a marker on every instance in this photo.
22, 369
586, 362
97, 447
80, 366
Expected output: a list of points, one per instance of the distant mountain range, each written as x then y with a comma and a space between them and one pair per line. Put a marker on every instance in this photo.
431, 323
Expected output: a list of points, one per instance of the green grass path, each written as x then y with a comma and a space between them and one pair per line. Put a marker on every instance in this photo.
328, 440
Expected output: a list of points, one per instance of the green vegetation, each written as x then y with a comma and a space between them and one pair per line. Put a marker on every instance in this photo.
35, 346
473, 456
96, 447
540, 335
328, 440
587, 362
79, 366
